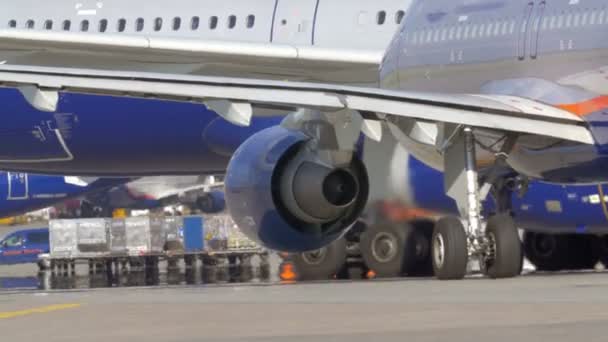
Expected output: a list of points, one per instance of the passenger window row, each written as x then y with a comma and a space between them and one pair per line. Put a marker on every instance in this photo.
381, 17
139, 24
462, 32
562, 20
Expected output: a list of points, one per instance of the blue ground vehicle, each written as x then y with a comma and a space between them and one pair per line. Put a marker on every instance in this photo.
23, 246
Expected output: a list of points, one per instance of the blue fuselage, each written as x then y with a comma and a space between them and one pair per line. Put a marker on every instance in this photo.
116, 136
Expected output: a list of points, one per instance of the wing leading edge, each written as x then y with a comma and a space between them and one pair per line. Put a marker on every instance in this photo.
235, 99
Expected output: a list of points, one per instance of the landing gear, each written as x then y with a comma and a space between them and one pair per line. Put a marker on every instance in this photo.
503, 257
395, 249
449, 249
496, 245
321, 264
557, 252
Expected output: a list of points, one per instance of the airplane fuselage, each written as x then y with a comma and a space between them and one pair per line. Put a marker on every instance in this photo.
552, 52
359, 25
151, 137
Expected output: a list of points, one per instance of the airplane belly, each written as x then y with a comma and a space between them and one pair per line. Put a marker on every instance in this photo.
103, 135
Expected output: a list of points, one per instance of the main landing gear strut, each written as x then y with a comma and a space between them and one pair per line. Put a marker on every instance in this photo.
496, 245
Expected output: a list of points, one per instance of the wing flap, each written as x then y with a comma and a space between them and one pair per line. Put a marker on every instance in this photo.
479, 111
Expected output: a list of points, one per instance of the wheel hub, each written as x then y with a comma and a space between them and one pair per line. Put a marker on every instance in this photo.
439, 250
384, 247
544, 245
315, 257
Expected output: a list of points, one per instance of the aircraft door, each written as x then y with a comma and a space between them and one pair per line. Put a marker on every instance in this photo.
524, 29
18, 186
536, 28
293, 22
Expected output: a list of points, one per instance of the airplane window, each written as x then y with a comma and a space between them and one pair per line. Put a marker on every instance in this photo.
444, 34
29, 24
489, 29
497, 29
458, 32
584, 18
250, 20
381, 17
414, 38
577, 20
122, 24
482, 30
84, 25
66, 25
474, 31
158, 24
569, 20
552, 22
194, 23
452, 31
436, 36
429, 36
600, 19
213, 22
139, 24
231, 21
103, 25
48, 25
505, 28
545, 24
12, 23
177, 23
467, 28
512, 27
560, 21
592, 18
399, 17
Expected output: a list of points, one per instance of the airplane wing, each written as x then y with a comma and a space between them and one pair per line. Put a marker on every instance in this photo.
188, 55
235, 99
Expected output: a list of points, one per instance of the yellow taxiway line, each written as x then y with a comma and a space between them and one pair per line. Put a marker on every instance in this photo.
42, 309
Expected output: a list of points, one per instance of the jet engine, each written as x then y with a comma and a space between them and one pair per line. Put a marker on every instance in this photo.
283, 195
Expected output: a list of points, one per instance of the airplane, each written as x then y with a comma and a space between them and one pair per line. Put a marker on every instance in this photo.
21, 193
202, 193
298, 40
492, 93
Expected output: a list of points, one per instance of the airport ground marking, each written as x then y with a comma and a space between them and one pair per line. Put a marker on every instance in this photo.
38, 310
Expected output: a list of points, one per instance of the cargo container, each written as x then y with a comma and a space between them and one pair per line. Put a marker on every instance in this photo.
63, 236
144, 235
93, 237
143, 241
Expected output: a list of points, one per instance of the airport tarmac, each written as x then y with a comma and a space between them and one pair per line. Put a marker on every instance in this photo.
530, 308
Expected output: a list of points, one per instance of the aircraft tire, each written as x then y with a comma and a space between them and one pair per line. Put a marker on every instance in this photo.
321, 264
387, 248
449, 249
547, 252
582, 252
507, 252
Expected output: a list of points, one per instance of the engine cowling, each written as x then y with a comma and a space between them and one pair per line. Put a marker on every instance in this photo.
282, 196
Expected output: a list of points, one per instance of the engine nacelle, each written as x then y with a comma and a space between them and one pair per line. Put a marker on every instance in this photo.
282, 196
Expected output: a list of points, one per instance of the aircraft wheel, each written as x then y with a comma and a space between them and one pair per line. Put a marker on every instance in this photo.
505, 256
322, 263
384, 248
600, 248
449, 249
424, 264
547, 252
582, 252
